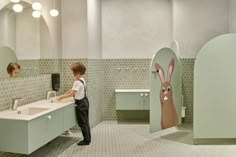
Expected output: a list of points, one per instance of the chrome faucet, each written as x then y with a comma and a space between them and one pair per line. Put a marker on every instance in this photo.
15, 102
49, 93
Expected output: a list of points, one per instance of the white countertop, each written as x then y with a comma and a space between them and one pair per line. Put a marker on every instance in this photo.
131, 90
9, 114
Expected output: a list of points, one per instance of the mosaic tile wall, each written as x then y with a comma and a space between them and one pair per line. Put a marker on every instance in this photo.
114, 78
124, 74
95, 90
133, 73
137, 76
29, 67
187, 87
50, 66
93, 78
31, 88
68, 79
41, 66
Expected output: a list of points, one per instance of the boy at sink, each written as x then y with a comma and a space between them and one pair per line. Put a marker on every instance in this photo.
78, 91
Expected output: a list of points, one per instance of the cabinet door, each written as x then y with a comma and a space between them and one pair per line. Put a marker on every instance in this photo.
54, 124
146, 101
129, 101
69, 117
13, 136
45, 128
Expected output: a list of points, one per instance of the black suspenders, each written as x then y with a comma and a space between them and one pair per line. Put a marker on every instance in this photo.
84, 87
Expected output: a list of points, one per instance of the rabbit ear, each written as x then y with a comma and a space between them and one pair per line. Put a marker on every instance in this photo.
171, 69
160, 72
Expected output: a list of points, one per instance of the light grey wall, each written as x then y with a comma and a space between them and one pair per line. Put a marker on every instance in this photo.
46, 46
94, 29
27, 35
81, 29
74, 29
196, 22
54, 26
232, 16
3, 3
7, 29
135, 28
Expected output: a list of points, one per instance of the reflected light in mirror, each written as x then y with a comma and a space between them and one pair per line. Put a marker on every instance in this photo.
54, 12
17, 8
37, 6
15, 1
36, 14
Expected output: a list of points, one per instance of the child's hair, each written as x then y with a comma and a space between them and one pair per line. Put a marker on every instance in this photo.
11, 67
78, 68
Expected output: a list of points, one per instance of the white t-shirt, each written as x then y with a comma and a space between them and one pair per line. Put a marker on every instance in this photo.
79, 88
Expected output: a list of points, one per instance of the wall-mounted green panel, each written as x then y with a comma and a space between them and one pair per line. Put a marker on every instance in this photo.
214, 105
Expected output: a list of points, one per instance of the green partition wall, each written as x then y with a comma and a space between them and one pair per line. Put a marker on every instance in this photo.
163, 58
214, 108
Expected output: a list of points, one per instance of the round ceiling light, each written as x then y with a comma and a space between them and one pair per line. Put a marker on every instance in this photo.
15, 1
36, 14
37, 6
17, 8
54, 12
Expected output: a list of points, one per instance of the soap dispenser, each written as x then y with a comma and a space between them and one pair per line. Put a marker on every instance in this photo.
56, 81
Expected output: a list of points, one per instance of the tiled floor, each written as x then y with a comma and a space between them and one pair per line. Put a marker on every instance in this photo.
112, 139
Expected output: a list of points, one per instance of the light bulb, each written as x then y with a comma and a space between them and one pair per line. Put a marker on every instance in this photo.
17, 8
15, 1
37, 6
54, 12
36, 14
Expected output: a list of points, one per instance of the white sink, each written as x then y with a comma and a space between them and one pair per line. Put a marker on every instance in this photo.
31, 111
34, 110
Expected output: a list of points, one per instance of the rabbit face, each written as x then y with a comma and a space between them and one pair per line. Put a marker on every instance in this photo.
166, 89
166, 93
169, 116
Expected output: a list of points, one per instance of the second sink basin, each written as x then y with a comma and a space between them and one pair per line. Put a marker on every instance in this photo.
31, 111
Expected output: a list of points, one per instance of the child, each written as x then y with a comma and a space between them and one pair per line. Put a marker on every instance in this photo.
78, 91
13, 69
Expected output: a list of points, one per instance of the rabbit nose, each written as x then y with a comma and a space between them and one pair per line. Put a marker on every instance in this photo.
165, 92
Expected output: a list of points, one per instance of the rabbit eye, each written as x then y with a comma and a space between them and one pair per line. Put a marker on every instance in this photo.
168, 88
163, 89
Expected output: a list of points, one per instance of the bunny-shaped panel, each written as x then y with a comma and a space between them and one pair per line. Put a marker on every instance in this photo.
165, 91
169, 116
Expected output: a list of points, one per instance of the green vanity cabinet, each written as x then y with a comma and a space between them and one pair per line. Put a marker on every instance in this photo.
69, 117
13, 136
24, 137
44, 128
132, 99
146, 101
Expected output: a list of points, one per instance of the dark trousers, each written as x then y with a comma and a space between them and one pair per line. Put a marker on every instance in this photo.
82, 114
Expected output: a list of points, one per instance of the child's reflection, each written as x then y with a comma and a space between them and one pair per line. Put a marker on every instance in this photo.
13, 69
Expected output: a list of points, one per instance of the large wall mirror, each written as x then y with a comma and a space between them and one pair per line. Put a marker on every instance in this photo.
23, 40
